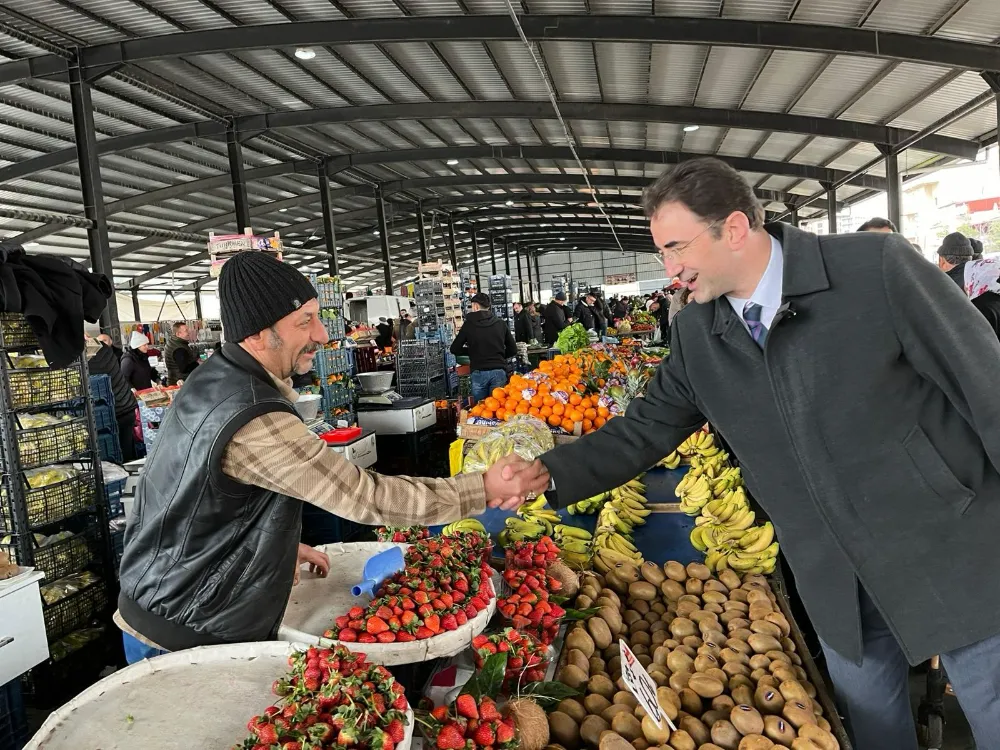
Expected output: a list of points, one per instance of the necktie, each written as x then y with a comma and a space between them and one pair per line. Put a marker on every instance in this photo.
758, 331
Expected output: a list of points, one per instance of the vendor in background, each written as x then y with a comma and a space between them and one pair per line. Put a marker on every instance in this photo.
584, 312
213, 548
488, 343
957, 257
555, 318
523, 328
102, 360
135, 363
179, 356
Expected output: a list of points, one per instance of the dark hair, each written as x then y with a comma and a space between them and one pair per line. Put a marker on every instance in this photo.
877, 222
709, 188
482, 299
178, 325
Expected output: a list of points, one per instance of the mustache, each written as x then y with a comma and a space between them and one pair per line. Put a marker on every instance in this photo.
309, 349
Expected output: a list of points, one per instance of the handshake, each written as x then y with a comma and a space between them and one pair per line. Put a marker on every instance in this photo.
512, 480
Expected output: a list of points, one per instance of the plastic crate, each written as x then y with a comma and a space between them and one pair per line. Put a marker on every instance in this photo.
329, 293
16, 333
41, 446
334, 328
63, 558
100, 390
47, 505
337, 395
13, 721
75, 611
104, 417
113, 494
331, 361
40, 387
109, 447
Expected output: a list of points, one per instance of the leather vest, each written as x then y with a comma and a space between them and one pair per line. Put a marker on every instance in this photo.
174, 372
207, 559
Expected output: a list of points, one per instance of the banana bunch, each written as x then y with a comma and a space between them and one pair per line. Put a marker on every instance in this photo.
610, 548
625, 509
590, 505
700, 443
533, 521
670, 462
466, 524
753, 551
574, 546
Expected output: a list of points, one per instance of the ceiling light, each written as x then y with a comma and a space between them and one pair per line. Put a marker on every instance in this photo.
375, 233
452, 162
575, 247
31, 244
690, 128
562, 239
305, 53
282, 210
510, 203
296, 242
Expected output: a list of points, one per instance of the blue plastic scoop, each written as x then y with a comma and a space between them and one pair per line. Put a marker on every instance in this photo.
377, 569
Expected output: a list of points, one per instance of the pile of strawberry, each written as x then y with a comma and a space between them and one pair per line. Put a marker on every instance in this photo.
444, 585
331, 698
399, 534
527, 659
475, 724
532, 554
528, 607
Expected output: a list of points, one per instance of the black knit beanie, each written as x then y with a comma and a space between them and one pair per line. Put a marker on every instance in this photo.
955, 245
256, 290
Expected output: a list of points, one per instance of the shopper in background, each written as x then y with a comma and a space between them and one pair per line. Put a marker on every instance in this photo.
600, 322
957, 257
522, 324
102, 360
619, 310
106, 340
528, 325
179, 356
584, 312
555, 318
488, 343
407, 327
602, 306
384, 338
212, 548
857, 387
878, 224
135, 363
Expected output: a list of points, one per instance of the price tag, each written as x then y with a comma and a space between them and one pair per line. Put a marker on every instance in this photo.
642, 686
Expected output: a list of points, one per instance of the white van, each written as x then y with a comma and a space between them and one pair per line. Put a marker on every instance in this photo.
370, 309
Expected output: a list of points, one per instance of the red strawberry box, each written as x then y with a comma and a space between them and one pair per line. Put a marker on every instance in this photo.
527, 658
531, 554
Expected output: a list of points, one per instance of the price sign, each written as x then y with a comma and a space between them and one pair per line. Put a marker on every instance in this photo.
642, 686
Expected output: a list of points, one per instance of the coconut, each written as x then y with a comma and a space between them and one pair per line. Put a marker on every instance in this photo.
568, 578
532, 723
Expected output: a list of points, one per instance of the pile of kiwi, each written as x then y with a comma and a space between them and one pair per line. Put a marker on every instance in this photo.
718, 648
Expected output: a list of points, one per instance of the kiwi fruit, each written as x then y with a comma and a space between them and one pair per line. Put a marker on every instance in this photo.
725, 735
614, 664
599, 632
626, 572
767, 628
573, 709
597, 665
742, 695
671, 590
740, 645
698, 570
579, 639
819, 737
652, 733
781, 621
722, 703
641, 605
759, 661
738, 623
823, 724
709, 746
712, 595
792, 690
602, 685
595, 704
737, 595
576, 657
643, 590
686, 608
652, 573
564, 730
691, 702
625, 698
734, 668
768, 700
746, 719
640, 638
718, 674
761, 643
627, 726
705, 686
679, 680
713, 608
682, 627
613, 618
759, 610
681, 740
778, 730
783, 674
740, 681
615, 583
631, 615
613, 741
802, 744
678, 661
675, 571
640, 744
778, 655
755, 742
703, 662
573, 676
711, 716
584, 602
613, 710
767, 681
694, 586
691, 644
714, 637
798, 714
696, 728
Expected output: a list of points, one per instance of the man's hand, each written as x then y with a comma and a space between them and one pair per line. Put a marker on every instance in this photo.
318, 562
512, 479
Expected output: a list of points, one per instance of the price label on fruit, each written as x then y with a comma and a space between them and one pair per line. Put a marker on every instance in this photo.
641, 685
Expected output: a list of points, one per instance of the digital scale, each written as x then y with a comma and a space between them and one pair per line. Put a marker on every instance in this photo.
398, 417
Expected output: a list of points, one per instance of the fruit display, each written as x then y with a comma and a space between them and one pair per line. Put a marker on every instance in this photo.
572, 338
624, 510
524, 554
527, 658
401, 534
525, 436
533, 521
477, 722
729, 676
527, 604
64, 587
331, 698
446, 583
466, 524
8, 569
575, 545
45, 438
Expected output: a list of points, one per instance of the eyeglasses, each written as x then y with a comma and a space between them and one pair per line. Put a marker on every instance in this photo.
675, 250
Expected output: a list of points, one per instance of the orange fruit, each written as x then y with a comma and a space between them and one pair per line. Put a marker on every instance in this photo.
587, 425
589, 413
522, 408
476, 410
575, 399
575, 415
600, 422
537, 400
545, 411
585, 403
492, 403
501, 414
602, 411
499, 394
533, 411
487, 414
558, 409
568, 425
554, 420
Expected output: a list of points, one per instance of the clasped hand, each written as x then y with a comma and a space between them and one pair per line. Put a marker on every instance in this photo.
511, 480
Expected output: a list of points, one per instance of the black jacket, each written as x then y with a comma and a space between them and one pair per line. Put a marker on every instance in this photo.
555, 321
384, 338
104, 362
584, 315
486, 340
987, 303
522, 327
180, 358
55, 295
866, 429
138, 371
207, 559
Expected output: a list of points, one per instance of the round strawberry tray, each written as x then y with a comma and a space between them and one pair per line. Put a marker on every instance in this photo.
199, 699
316, 601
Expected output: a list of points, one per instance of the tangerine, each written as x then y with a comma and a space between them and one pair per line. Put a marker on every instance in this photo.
590, 413
499, 394
492, 403
588, 425
568, 425
600, 422
501, 413
558, 409
554, 420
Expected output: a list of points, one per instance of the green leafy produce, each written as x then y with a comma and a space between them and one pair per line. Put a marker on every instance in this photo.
571, 338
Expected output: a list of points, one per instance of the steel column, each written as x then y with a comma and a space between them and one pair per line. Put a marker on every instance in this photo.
793, 216
475, 256
383, 235
531, 290
136, 312
92, 191
197, 303
893, 190
538, 277
452, 250
506, 257
831, 210
423, 234
329, 230
520, 279
237, 175
493, 255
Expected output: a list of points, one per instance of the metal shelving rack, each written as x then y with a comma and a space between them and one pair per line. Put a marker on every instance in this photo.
333, 364
75, 504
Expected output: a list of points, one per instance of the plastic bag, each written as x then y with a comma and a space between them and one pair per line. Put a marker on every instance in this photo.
524, 435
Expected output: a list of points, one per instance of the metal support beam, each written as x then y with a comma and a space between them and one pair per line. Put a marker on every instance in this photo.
493, 255
893, 190
831, 210
993, 81
506, 258
329, 230
197, 303
531, 285
241, 205
136, 311
538, 275
452, 251
423, 234
475, 258
92, 192
383, 235
520, 277
793, 216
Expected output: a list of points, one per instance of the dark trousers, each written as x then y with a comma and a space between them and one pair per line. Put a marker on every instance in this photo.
126, 436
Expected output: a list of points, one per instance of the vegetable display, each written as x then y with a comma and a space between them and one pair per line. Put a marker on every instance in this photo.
572, 338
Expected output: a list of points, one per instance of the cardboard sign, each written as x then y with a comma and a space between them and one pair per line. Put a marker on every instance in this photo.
642, 686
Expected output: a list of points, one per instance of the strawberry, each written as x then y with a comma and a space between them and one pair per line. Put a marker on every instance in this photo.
347, 737
394, 623
433, 622
408, 619
488, 710
376, 625
423, 632
267, 734
505, 733
396, 731
483, 736
440, 713
403, 637
355, 613
470, 610
460, 618
341, 622
291, 745
465, 705
347, 635
448, 622
383, 612
450, 738
479, 641
367, 638
321, 732
386, 637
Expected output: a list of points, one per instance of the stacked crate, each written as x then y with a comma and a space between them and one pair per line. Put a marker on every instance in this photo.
104, 418
332, 363
502, 299
470, 287
420, 369
52, 511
